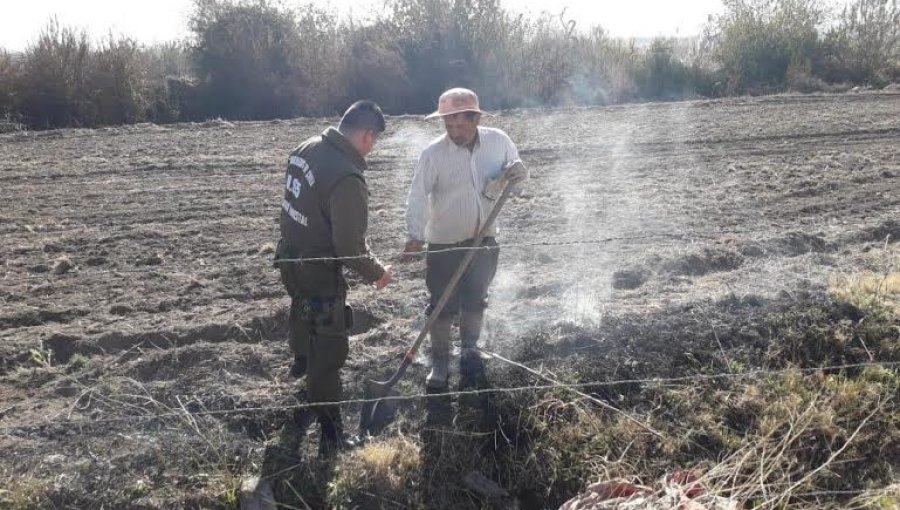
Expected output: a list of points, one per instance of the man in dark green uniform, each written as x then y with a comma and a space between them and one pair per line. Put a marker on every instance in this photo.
324, 215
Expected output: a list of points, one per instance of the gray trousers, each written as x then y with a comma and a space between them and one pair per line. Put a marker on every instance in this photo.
472, 292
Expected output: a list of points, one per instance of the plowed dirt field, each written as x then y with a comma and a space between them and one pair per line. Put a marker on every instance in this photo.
139, 299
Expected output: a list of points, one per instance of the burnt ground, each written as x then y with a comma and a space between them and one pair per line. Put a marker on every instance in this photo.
653, 240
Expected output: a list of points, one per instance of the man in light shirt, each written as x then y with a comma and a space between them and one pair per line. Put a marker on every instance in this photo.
455, 185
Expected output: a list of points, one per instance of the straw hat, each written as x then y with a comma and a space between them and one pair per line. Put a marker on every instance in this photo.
455, 101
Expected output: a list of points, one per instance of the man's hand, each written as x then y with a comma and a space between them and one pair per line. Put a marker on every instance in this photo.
413, 248
493, 188
515, 173
386, 278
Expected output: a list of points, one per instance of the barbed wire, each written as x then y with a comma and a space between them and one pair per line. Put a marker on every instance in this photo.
544, 244
394, 256
444, 395
141, 343
403, 256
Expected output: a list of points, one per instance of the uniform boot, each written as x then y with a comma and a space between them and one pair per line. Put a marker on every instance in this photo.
298, 367
333, 439
440, 354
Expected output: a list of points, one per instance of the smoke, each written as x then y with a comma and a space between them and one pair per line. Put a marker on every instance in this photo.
587, 91
409, 141
579, 194
589, 181
402, 147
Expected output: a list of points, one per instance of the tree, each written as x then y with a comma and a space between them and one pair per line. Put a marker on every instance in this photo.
865, 45
9, 77
247, 57
759, 41
117, 82
660, 74
53, 83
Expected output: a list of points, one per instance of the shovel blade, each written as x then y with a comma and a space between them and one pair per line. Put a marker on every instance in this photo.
377, 389
376, 414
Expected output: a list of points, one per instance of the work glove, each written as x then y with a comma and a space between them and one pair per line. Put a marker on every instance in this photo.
515, 173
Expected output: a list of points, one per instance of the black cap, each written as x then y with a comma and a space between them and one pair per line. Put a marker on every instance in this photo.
363, 115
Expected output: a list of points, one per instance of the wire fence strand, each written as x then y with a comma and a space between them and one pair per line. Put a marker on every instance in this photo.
686, 238
449, 394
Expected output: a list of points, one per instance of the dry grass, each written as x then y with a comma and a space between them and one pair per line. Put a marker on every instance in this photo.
769, 443
816, 434
789, 440
794, 440
22, 493
382, 470
869, 290
178, 440
887, 498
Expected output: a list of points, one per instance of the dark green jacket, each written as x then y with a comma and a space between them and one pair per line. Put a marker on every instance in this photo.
325, 214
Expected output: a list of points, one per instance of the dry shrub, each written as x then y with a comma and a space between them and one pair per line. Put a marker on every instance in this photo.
790, 439
864, 45
382, 470
869, 290
248, 56
22, 493
661, 74
257, 59
53, 89
810, 434
605, 72
805, 82
117, 82
64, 80
544, 78
375, 67
758, 42
9, 75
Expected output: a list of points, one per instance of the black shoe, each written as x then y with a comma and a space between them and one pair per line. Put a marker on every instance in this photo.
298, 368
329, 446
333, 440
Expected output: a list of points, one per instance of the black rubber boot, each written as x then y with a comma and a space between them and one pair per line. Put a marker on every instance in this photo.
471, 361
440, 355
298, 367
471, 364
333, 439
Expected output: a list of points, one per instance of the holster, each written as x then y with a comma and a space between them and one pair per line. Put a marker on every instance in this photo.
328, 314
303, 280
359, 321
312, 278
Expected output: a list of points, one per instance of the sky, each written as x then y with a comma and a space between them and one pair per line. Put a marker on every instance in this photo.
164, 20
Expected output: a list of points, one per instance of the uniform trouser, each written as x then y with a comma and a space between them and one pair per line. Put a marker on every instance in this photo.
472, 291
317, 329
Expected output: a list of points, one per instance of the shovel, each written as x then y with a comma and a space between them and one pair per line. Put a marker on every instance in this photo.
378, 390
